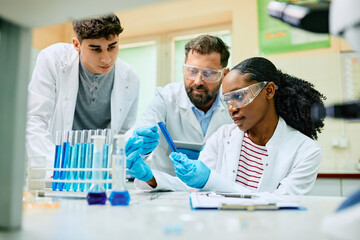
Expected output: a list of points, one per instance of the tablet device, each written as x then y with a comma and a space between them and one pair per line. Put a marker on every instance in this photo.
189, 145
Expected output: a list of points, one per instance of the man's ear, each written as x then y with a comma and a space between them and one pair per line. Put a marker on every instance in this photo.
76, 44
226, 71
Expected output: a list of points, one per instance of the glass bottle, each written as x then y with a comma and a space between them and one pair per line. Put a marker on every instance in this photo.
119, 195
96, 193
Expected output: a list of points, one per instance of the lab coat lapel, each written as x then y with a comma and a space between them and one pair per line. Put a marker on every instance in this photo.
272, 146
217, 119
69, 85
120, 96
232, 147
187, 112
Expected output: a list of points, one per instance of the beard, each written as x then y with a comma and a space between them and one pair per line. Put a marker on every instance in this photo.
201, 99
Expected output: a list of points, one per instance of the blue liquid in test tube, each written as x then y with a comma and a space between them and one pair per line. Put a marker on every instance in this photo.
89, 164
57, 159
75, 156
56, 165
65, 159
72, 157
165, 133
105, 163
77, 165
83, 159
72, 152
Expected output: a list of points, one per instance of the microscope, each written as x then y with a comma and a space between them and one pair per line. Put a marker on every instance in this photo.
339, 18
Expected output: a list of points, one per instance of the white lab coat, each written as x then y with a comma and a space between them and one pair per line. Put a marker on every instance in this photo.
290, 168
52, 98
173, 107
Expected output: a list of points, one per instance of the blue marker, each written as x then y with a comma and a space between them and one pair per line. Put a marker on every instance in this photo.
165, 133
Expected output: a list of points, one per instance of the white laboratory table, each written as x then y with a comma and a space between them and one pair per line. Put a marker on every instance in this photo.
167, 215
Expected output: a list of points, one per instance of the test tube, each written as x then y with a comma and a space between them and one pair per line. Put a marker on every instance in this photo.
96, 193
165, 133
64, 158
57, 159
85, 145
105, 164
72, 157
89, 162
119, 194
77, 158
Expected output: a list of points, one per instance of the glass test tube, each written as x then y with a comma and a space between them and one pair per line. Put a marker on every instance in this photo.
84, 155
96, 194
57, 159
89, 160
119, 194
105, 164
72, 154
64, 158
77, 158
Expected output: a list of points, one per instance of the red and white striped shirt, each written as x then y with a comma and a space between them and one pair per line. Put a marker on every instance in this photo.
250, 168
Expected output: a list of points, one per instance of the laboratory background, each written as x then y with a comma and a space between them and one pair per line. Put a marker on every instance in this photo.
155, 36
153, 40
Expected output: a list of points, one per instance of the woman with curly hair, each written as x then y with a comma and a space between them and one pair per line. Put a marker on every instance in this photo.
269, 147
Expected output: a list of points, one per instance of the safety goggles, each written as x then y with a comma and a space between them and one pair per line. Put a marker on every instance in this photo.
242, 97
207, 74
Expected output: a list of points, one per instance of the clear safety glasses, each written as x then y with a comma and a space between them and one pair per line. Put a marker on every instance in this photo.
207, 74
242, 97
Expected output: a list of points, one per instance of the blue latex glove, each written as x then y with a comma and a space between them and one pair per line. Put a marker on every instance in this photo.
192, 154
134, 162
192, 172
150, 137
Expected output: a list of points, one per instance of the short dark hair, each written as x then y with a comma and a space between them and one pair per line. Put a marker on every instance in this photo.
105, 26
207, 44
293, 99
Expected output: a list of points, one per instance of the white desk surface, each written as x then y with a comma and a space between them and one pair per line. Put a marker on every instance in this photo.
169, 216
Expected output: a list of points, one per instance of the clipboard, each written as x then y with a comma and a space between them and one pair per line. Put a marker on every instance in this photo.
258, 201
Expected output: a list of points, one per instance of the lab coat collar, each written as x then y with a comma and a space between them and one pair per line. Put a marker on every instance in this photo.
69, 76
232, 147
186, 105
276, 137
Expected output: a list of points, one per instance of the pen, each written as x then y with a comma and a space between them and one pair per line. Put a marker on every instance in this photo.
233, 195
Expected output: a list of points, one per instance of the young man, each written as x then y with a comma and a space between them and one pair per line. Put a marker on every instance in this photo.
80, 86
190, 110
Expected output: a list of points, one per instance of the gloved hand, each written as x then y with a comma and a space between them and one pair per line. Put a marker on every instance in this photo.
191, 154
150, 137
192, 172
134, 162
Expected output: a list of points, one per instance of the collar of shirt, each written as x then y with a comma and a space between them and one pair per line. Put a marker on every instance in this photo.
91, 76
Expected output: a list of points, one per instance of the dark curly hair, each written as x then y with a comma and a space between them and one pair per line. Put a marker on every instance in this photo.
102, 27
207, 44
294, 97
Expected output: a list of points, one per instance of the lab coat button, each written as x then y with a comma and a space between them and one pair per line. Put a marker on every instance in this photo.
228, 142
120, 109
126, 87
266, 164
233, 171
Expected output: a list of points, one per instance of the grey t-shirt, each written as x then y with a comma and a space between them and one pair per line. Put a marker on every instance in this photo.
92, 110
